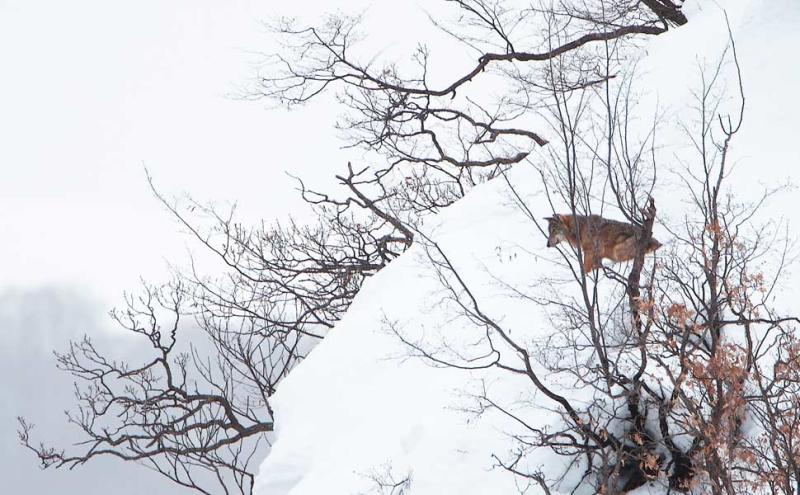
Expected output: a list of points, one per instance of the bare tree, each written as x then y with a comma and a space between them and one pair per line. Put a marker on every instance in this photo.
677, 356
198, 410
386, 482
440, 141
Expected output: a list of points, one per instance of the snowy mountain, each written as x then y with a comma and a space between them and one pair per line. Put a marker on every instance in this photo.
366, 410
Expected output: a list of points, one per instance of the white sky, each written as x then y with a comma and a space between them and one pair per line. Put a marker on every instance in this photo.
92, 91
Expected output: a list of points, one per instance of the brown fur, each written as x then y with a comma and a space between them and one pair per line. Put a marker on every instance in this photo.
598, 238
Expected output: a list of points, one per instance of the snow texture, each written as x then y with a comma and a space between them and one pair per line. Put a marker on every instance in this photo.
360, 407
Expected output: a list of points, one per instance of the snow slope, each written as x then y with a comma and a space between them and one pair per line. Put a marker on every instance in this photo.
361, 408
357, 404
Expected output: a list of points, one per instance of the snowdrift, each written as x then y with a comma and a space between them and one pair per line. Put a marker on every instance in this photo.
362, 409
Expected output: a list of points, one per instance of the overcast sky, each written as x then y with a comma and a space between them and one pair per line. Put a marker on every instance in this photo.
91, 92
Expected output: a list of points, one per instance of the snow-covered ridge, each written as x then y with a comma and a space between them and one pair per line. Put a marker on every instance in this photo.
359, 405
360, 408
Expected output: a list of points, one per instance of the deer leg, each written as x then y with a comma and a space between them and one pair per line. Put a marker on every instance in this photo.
589, 263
